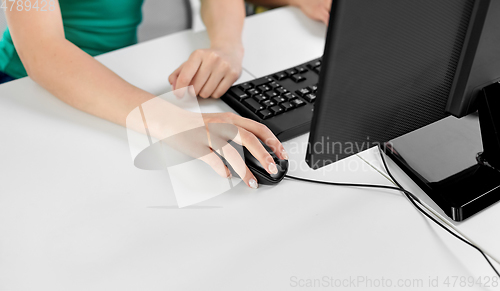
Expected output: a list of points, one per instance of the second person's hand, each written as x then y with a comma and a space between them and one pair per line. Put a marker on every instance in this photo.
211, 71
315, 9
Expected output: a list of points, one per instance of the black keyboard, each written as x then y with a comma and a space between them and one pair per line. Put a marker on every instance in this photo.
282, 101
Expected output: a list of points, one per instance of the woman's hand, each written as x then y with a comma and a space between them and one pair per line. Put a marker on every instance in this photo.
211, 71
201, 135
222, 127
248, 134
315, 9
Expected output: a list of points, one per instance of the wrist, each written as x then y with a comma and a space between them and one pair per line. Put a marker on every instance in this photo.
228, 46
295, 3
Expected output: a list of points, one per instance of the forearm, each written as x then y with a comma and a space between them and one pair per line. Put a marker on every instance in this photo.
79, 80
224, 21
272, 3
314, 9
68, 72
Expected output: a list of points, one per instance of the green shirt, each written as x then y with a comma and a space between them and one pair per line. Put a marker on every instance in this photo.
95, 26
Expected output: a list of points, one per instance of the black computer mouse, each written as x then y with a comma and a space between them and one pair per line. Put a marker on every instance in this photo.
263, 177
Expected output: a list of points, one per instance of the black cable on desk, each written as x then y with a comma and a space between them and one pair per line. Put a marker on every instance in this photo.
412, 198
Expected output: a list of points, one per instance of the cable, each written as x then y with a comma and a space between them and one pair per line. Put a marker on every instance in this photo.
431, 210
410, 196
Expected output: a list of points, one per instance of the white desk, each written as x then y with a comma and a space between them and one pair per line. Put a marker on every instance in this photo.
75, 214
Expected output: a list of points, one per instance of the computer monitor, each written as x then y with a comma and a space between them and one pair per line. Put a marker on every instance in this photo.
417, 77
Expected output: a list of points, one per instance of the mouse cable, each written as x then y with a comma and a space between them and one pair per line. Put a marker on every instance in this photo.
410, 196
429, 209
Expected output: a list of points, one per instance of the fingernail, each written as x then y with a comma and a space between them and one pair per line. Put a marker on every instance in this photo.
253, 184
272, 168
284, 154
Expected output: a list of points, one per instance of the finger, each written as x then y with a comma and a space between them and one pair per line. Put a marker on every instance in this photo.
224, 85
214, 80
328, 4
324, 16
263, 133
253, 145
237, 163
216, 163
188, 70
172, 79
203, 74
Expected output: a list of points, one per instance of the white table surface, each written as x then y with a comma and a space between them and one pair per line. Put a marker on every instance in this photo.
75, 214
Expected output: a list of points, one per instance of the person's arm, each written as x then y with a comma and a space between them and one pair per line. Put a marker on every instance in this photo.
68, 72
79, 80
212, 71
315, 9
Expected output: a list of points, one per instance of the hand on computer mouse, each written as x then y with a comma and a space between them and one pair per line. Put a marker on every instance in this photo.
249, 133
199, 136
315, 9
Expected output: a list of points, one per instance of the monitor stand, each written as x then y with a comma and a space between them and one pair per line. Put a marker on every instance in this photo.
456, 161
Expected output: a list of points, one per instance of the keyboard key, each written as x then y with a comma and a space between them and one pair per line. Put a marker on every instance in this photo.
280, 76
262, 81
268, 103
281, 91
238, 93
277, 110
279, 100
264, 114
310, 97
303, 92
317, 69
313, 88
264, 88
297, 102
291, 72
314, 64
274, 85
287, 106
253, 92
253, 105
301, 69
290, 96
298, 78
246, 86
270, 94
259, 98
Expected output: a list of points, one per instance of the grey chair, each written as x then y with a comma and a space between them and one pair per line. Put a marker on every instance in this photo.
3, 22
162, 17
